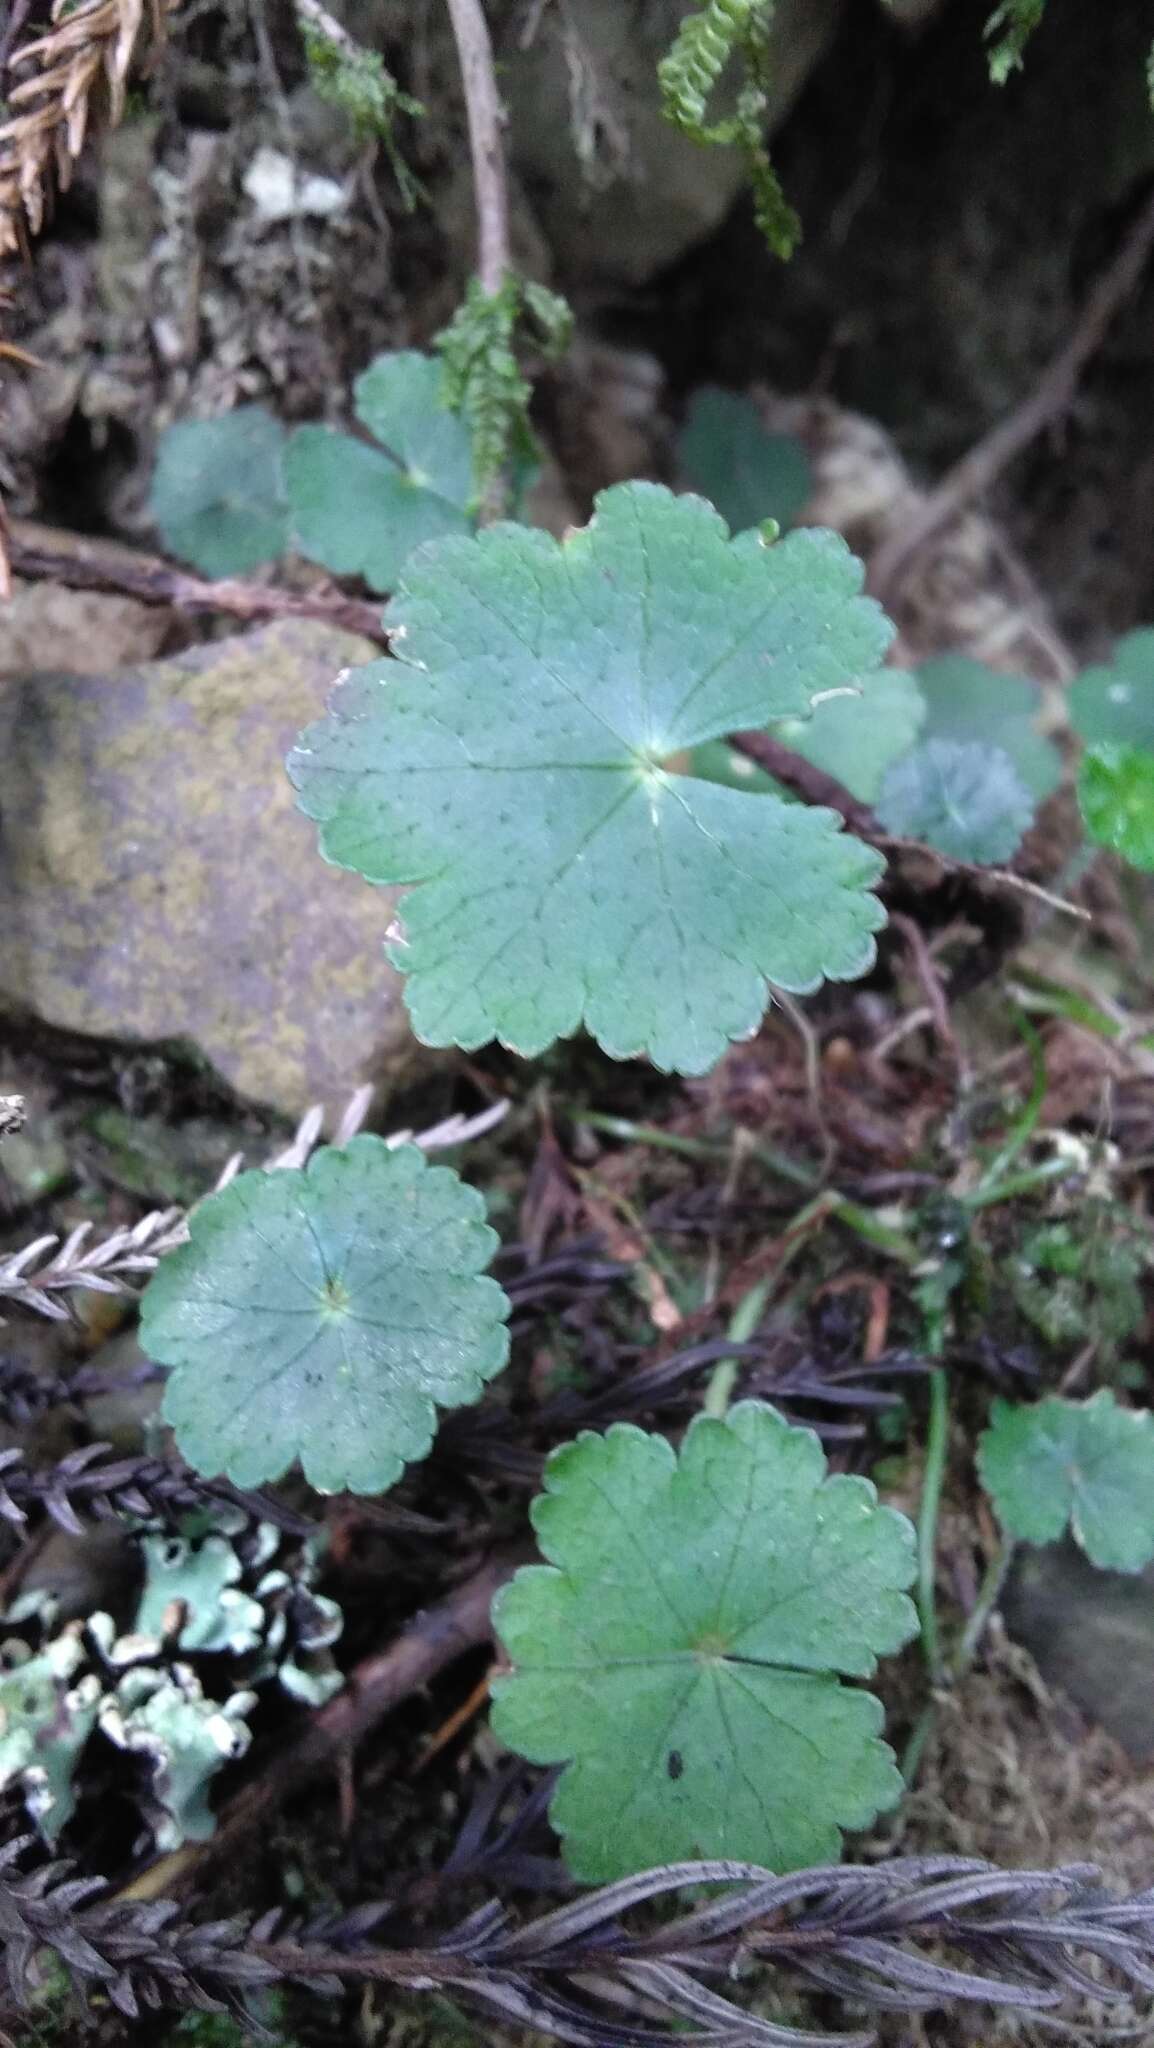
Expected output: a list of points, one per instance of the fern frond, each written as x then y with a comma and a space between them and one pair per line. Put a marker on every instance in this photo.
483, 379
87, 52
356, 79
688, 75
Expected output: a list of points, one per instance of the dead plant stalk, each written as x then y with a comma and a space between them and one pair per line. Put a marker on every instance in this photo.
486, 119
88, 48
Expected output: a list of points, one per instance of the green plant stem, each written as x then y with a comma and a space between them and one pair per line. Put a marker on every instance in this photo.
915, 1748
631, 1133
742, 1324
1023, 1127
884, 1237
989, 1593
1022, 1183
931, 1501
1046, 998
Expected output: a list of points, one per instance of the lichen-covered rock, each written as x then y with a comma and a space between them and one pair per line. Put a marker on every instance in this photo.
43, 625
157, 883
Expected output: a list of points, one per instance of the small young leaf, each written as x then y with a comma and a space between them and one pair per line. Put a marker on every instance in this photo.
1115, 701
1116, 794
400, 398
728, 454
855, 739
356, 511
967, 701
1086, 1463
681, 1650
512, 765
218, 491
967, 800
319, 1313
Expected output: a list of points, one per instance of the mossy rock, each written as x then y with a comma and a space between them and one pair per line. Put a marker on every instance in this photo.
158, 884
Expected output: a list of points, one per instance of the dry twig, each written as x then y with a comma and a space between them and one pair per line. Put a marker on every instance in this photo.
375, 1687
486, 119
1051, 397
46, 1269
816, 787
47, 553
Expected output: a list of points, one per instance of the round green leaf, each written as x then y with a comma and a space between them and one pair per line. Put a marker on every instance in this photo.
1116, 794
967, 701
967, 800
218, 492
1086, 1463
510, 764
400, 399
1115, 701
319, 1313
355, 511
728, 455
681, 1650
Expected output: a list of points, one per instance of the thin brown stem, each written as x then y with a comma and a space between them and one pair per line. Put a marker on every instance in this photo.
931, 985
816, 787
486, 119
88, 43
806, 781
1052, 396
49, 553
373, 1689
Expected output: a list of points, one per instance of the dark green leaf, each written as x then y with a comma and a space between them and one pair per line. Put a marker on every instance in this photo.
681, 1650
1116, 700
1116, 793
855, 738
729, 456
355, 511
218, 492
1086, 1463
400, 399
969, 702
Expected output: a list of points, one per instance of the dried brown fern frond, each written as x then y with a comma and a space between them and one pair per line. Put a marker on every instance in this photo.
42, 1273
83, 58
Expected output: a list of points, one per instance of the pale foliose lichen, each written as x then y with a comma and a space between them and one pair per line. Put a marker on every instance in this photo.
49, 1702
238, 1595
183, 1739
